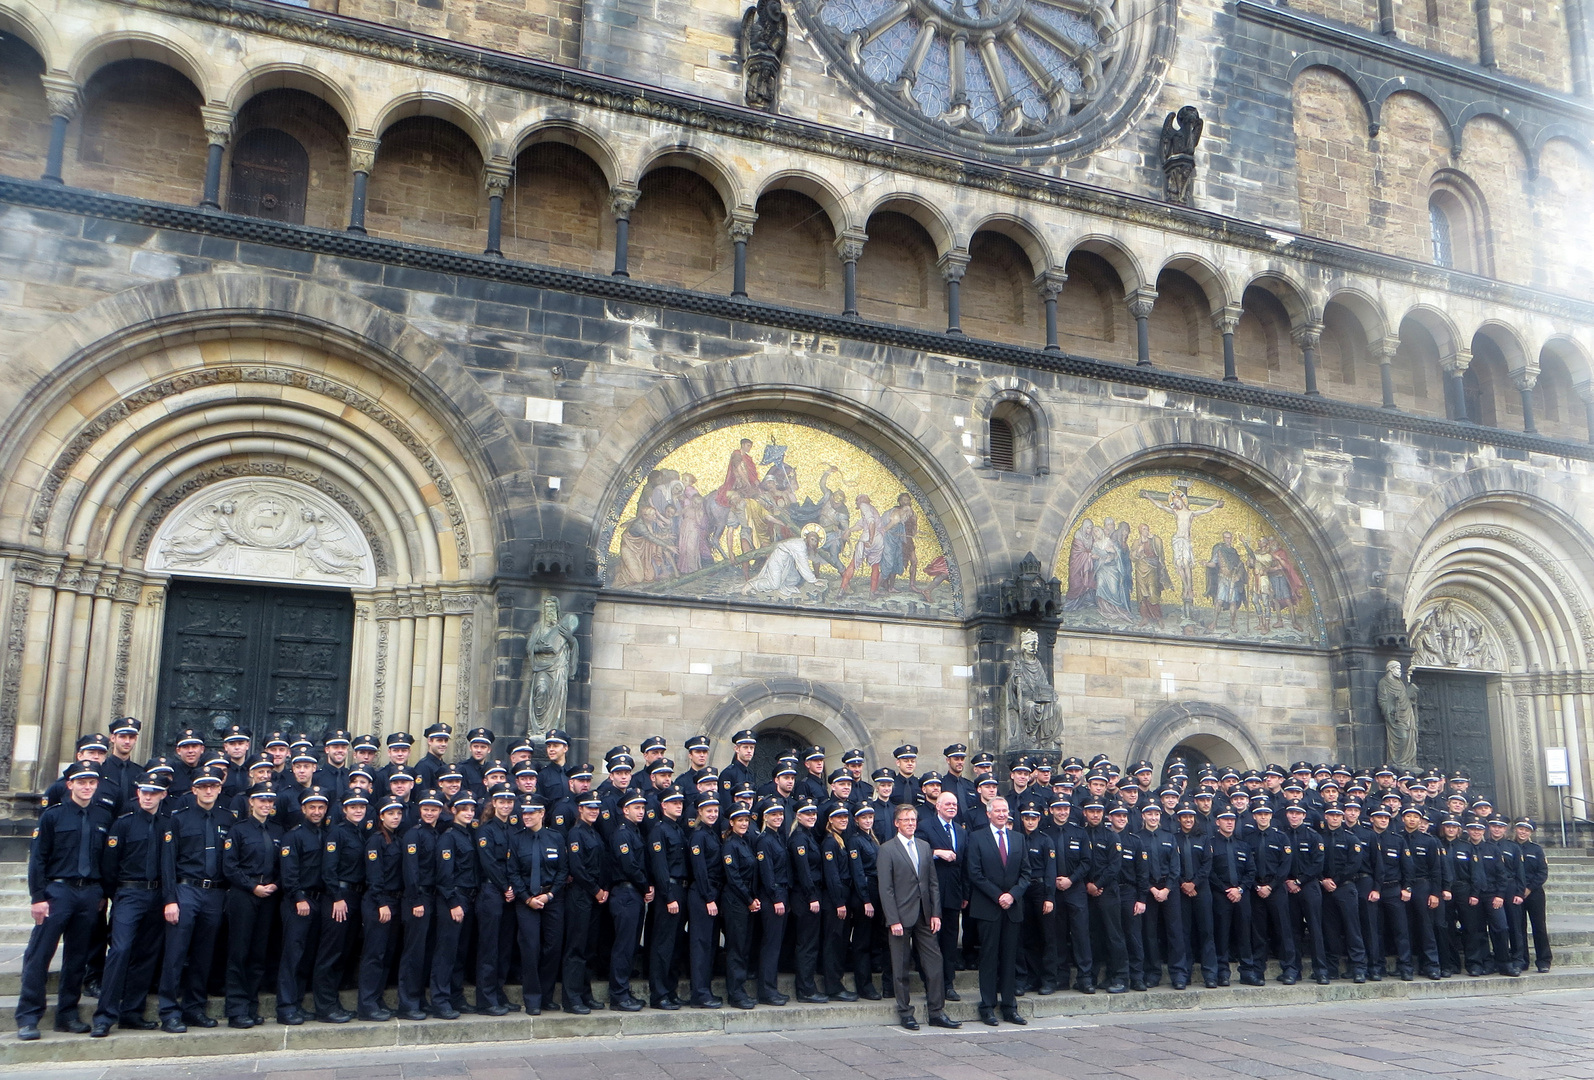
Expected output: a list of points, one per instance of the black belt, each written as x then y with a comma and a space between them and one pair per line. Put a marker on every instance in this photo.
351, 886
624, 885
201, 883
75, 882
140, 885
677, 881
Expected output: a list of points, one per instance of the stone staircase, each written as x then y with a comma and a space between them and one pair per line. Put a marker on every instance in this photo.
1571, 890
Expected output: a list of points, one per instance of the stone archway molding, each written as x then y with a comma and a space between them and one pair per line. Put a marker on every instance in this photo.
753, 703
1176, 722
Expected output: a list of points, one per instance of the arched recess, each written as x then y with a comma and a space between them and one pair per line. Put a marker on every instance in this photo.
1565, 390
141, 131
820, 191
1014, 402
557, 209
930, 218
1200, 723
815, 711
35, 30
437, 106
169, 50
1500, 614
24, 109
293, 75
328, 409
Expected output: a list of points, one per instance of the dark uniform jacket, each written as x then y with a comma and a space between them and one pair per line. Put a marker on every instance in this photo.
420, 865
134, 850
807, 866
741, 871
199, 841
492, 856
1233, 864
705, 870
628, 857
1390, 862
588, 859
301, 851
667, 862
249, 854
384, 868
343, 863
1344, 857
774, 868
458, 875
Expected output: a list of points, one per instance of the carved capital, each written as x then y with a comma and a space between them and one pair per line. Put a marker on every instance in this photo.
953, 265
1308, 336
362, 153
496, 177
1141, 301
1050, 282
1584, 392
623, 199
739, 223
64, 96
1525, 377
218, 124
1385, 348
1226, 320
1457, 362
849, 245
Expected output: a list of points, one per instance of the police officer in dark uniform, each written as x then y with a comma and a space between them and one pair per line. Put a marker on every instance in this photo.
130, 867
1233, 879
190, 750
1134, 882
458, 878
480, 741
338, 913
587, 863
1462, 883
882, 804
419, 904
1163, 925
906, 786
1194, 840
667, 868
303, 888
697, 750
435, 759
1071, 913
740, 769
333, 775
1390, 867
1108, 947
1304, 887
739, 904
495, 913
552, 781
249, 862
706, 874
118, 772
1495, 894
399, 745
382, 909
852, 760
536, 874
1535, 872
631, 891
1344, 866
1427, 883
803, 902
774, 891
192, 880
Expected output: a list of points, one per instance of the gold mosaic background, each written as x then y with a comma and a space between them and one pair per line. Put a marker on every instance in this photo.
1106, 590
720, 573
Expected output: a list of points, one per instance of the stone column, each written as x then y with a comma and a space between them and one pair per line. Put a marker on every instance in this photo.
849, 245
218, 129
362, 159
1454, 367
65, 99
1141, 301
1050, 283
1577, 45
1308, 337
496, 176
1485, 34
1525, 380
622, 200
1586, 393
1386, 348
740, 226
1386, 17
952, 265
1226, 321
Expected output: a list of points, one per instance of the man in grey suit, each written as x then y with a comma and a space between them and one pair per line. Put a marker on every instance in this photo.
910, 898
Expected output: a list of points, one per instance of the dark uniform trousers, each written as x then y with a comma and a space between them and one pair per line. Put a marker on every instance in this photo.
493, 937
581, 931
664, 944
334, 936
1134, 932
300, 945
413, 965
73, 911
190, 943
1424, 925
738, 947
1306, 923
1072, 917
1198, 935
1163, 930
1272, 916
626, 909
137, 916
550, 962
807, 927
1342, 928
773, 927
1231, 931
447, 953
1037, 954
1389, 928
702, 937
1497, 922
375, 952
1533, 910
248, 920
837, 949
528, 928
1107, 938
1467, 945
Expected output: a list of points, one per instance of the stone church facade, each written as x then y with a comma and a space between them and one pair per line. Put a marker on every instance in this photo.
333, 339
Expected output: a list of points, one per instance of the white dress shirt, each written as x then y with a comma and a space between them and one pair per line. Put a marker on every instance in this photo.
913, 850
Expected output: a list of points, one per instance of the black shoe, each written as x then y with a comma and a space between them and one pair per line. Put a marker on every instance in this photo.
844, 995
72, 1026
952, 994
579, 1008
1406, 976
1012, 1017
1179, 984
1085, 987
708, 1003
1322, 978
762, 1000
1046, 990
1512, 971
1288, 980
910, 1023
92, 988
1118, 988
987, 1016
663, 1003
626, 1003
1434, 975
1210, 984
293, 1017
742, 1003
1544, 969
137, 1023
942, 1020
1358, 978
415, 1015
1252, 980
199, 1019
445, 1012
336, 1016
1223, 978
244, 1023
869, 993
1137, 985
100, 1029
503, 1010
534, 1010
28, 1032
380, 1016
779, 998
173, 1025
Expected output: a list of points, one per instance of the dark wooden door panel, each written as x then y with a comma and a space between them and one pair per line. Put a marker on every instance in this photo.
1453, 725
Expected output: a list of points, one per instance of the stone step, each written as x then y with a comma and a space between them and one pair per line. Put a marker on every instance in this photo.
55, 1047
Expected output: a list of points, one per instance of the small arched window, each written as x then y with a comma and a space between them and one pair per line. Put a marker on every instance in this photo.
1013, 438
1458, 225
1001, 444
1439, 232
270, 176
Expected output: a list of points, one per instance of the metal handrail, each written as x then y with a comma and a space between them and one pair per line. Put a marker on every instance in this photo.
1569, 806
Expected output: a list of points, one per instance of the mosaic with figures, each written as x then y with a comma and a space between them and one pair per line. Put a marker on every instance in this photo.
1182, 554
780, 509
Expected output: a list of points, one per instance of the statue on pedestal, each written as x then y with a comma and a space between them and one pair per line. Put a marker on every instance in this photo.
550, 652
1397, 700
1181, 132
1032, 718
763, 46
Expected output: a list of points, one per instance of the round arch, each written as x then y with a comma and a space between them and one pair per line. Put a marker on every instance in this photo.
1439, 326
565, 132
438, 106
1367, 311
293, 74
677, 155
812, 710
1287, 291
169, 49
833, 203
25, 23
1116, 255
1021, 232
928, 216
1213, 283
1200, 723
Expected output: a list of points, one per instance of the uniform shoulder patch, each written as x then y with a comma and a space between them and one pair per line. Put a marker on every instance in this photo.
696, 850
447, 854
853, 853
727, 860
332, 845
830, 856
410, 849
1286, 849
760, 856
482, 842
575, 846
35, 834
658, 845
227, 844
371, 854
111, 842
625, 849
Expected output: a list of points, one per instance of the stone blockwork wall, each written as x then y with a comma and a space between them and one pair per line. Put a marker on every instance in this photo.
1530, 41
545, 29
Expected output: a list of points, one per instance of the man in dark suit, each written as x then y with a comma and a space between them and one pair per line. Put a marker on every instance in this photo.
910, 901
948, 844
998, 876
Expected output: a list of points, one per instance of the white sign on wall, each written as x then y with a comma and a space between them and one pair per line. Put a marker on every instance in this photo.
1556, 768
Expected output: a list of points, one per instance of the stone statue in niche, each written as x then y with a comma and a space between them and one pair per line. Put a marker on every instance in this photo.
1397, 700
551, 653
1032, 717
763, 46
1181, 132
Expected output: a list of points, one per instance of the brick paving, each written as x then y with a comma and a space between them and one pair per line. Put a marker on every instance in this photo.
1535, 1035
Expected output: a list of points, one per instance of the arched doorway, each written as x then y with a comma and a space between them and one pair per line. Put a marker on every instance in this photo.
774, 743
1200, 751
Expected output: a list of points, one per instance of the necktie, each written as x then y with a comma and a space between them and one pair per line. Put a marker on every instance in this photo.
85, 865
210, 850
1001, 844
152, 854
952, 837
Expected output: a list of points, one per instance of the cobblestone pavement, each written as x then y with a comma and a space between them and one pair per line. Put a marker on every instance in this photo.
1542, 1036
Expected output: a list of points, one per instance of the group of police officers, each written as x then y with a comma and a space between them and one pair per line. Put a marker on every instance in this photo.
310, 870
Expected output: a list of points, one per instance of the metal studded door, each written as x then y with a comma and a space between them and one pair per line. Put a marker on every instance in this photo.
1453, 725
270, 659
